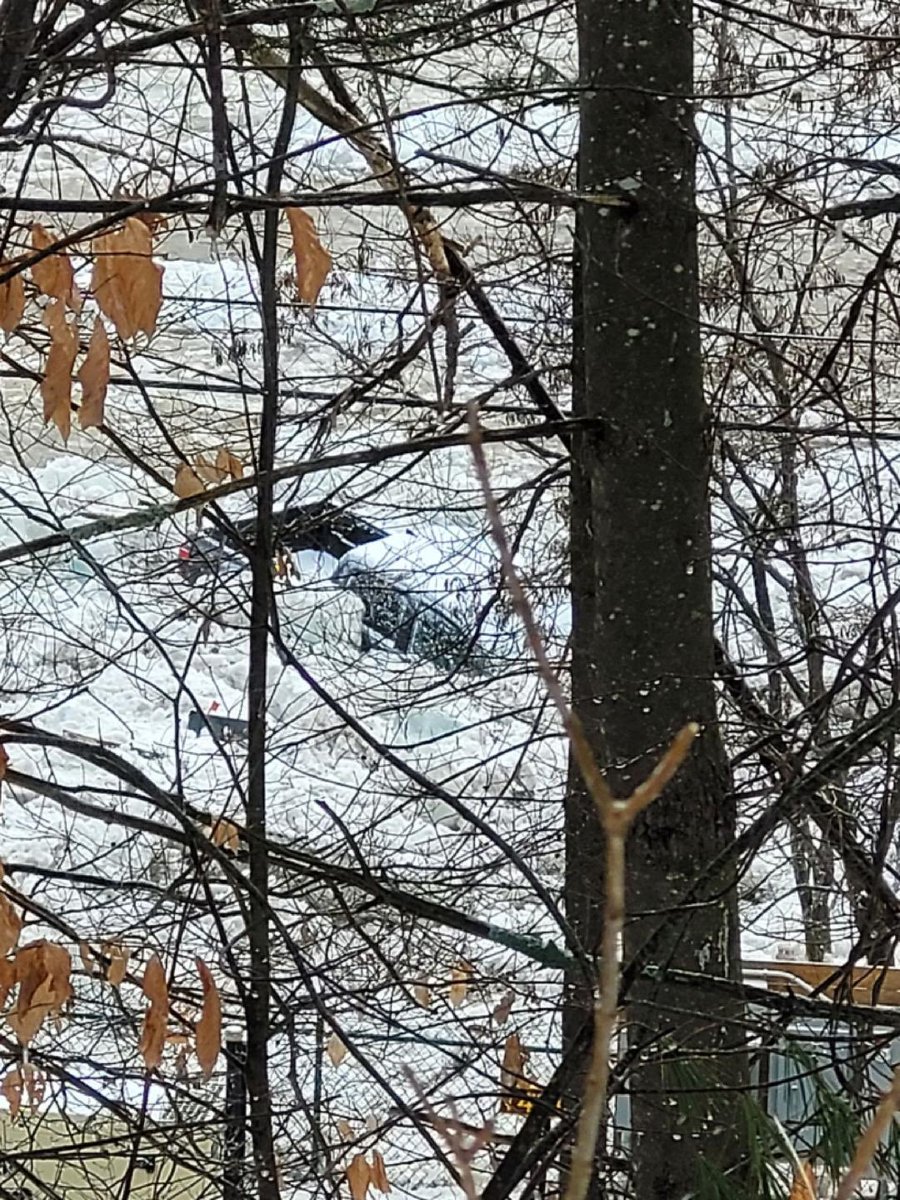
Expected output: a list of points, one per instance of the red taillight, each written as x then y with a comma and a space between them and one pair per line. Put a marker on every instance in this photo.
184, 552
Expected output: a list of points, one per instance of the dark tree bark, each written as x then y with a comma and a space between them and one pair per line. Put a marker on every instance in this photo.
643, 646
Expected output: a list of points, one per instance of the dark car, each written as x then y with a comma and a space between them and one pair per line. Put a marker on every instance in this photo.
432, 594
316, 526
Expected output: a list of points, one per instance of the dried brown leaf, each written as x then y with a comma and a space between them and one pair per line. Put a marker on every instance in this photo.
42, 967
126, 282
422, 995
12, 1090
225, 834
93, 375
229, 464
153, 1036
187, 482
56, 386
54, 275
12, 300
345, 1129
26, 1023
207, 471
512, 1070
312, 259
7, 979
208, 1030
35, 1084
358, 1176
460, 978
154, 984
10, 926
503, 1009
118, 956
336, 1050
156, 1019
378, 1174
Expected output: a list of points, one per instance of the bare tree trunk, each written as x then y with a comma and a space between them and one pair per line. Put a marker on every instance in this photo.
643, 648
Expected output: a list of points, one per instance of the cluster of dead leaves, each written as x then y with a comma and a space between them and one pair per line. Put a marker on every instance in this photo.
127, 286
192, 480
41, 971
110, 964
155, 1032
126, 282
461, 976
361, 1175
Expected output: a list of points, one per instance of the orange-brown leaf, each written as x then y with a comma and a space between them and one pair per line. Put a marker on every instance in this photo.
512, 1070
225, 834
54, 275
207, 471
56, 386
42, 967
12, 300
10, 926
422, 995
358, 1176
208, 1031
7, 979
93, 375
229, 464
378, 1174
154, 983
26, 1023
118, 956
336, 1050
126, 282
156, 1019
312, 259
153, 1036
12, 1090
187, 482
35, 1084
460, 978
